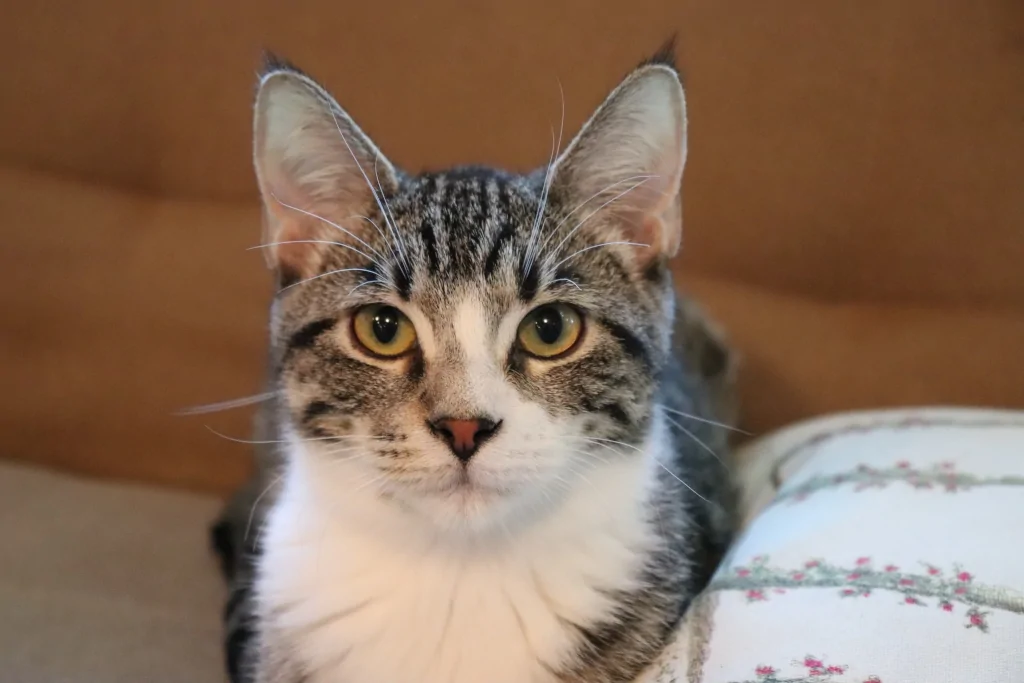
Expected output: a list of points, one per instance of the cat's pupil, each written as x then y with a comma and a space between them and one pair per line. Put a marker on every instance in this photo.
385, 324
549, 325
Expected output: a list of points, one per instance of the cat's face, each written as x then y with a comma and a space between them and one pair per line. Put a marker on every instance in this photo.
469, 344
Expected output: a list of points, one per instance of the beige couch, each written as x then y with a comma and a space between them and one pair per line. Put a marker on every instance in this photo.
854, 203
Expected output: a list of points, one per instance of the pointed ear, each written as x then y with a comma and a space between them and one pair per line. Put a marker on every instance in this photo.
315, 168
630, 155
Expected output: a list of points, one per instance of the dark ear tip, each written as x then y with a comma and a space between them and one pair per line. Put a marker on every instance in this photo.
664, 56
271, 62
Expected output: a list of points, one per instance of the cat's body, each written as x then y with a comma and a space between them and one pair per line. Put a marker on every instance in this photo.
564, 539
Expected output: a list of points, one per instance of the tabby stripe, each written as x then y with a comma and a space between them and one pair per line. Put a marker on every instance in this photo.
630, 343
234, 649
530, 282
484, 194
429, 245
507, 230
239, 597
612, 410
314, 410
402, 283
307, 336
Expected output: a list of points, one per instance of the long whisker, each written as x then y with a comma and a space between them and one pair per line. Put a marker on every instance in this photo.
336, 244
387, 207
330, 272
598, 210
380, 232
568, 280
541, 205
693, 436
660, 464
677, 478
705, 420
532, 245
368, 282
598, 246
586, 201
227, 405
602, 441
303, 439
330, 223
255, 504
376, 198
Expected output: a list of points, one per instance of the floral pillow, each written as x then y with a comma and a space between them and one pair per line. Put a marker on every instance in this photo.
883, 547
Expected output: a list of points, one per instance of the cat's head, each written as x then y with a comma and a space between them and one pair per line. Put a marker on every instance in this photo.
471, 343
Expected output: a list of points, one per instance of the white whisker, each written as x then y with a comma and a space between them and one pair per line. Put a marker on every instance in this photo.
273, 441
368, 282
255, 504
387, 207
598, 210
677, 478
376, 198
569, 280
336, 244
227, 405
693, 436
532, 244
589, 199
707, 421
330, 223
659, 462
330, 272
380, 232
598, 246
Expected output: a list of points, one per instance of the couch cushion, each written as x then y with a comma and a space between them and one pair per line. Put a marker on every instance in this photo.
882, 547
121, 309
105, 583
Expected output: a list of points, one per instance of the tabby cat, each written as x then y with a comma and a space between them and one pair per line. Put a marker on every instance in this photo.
491, 452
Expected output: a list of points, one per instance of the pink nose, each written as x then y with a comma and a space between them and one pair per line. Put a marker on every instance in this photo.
464, 436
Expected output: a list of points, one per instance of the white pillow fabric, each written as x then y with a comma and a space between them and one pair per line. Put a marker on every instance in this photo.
882, 547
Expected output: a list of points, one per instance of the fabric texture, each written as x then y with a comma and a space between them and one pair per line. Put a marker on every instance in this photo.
105, 583
881, 547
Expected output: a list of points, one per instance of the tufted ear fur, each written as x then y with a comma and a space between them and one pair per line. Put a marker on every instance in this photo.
315, 168
631, 154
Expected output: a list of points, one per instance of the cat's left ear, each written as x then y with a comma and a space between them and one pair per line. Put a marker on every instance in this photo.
630, 155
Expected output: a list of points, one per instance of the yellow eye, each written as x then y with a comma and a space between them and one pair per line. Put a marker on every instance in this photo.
383, 330
550, 330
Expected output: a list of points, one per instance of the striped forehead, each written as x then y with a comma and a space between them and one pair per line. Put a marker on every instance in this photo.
469, 225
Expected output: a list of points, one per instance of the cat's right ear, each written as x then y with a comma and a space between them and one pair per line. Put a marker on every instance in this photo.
315, 168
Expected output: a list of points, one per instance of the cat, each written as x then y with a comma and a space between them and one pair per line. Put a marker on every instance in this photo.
493, 448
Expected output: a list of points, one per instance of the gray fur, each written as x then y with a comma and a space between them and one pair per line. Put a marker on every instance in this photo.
470, 229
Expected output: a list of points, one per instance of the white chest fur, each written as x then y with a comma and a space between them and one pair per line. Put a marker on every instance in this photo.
362, 596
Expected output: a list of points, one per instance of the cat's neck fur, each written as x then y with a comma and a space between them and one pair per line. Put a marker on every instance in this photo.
345, 569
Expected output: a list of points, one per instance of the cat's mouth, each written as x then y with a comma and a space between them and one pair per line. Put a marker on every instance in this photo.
465, 483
